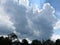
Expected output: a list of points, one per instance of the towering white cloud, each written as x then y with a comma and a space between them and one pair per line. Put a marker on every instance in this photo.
30, 22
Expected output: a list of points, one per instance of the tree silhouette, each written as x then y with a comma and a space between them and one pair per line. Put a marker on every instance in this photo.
48, 42
7, 41
12, 39
36, 42
2, 40
57, 42
17, 42
12, 36
24, 42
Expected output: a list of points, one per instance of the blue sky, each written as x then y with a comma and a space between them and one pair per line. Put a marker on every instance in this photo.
39, 2
55, 4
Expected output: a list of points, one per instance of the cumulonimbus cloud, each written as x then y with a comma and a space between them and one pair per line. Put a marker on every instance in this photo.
30, 22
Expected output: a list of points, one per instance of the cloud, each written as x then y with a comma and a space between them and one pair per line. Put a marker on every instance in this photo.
30, 22
57, 26
6, 25
42, 22
55, 37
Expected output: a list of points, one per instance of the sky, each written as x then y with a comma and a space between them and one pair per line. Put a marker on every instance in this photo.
30, 19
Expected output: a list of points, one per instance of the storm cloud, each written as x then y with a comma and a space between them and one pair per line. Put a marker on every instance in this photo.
28, 21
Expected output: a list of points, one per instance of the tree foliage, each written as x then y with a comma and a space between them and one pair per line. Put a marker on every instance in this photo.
9, 41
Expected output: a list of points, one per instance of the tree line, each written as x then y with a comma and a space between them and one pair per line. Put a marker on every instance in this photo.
12, 39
